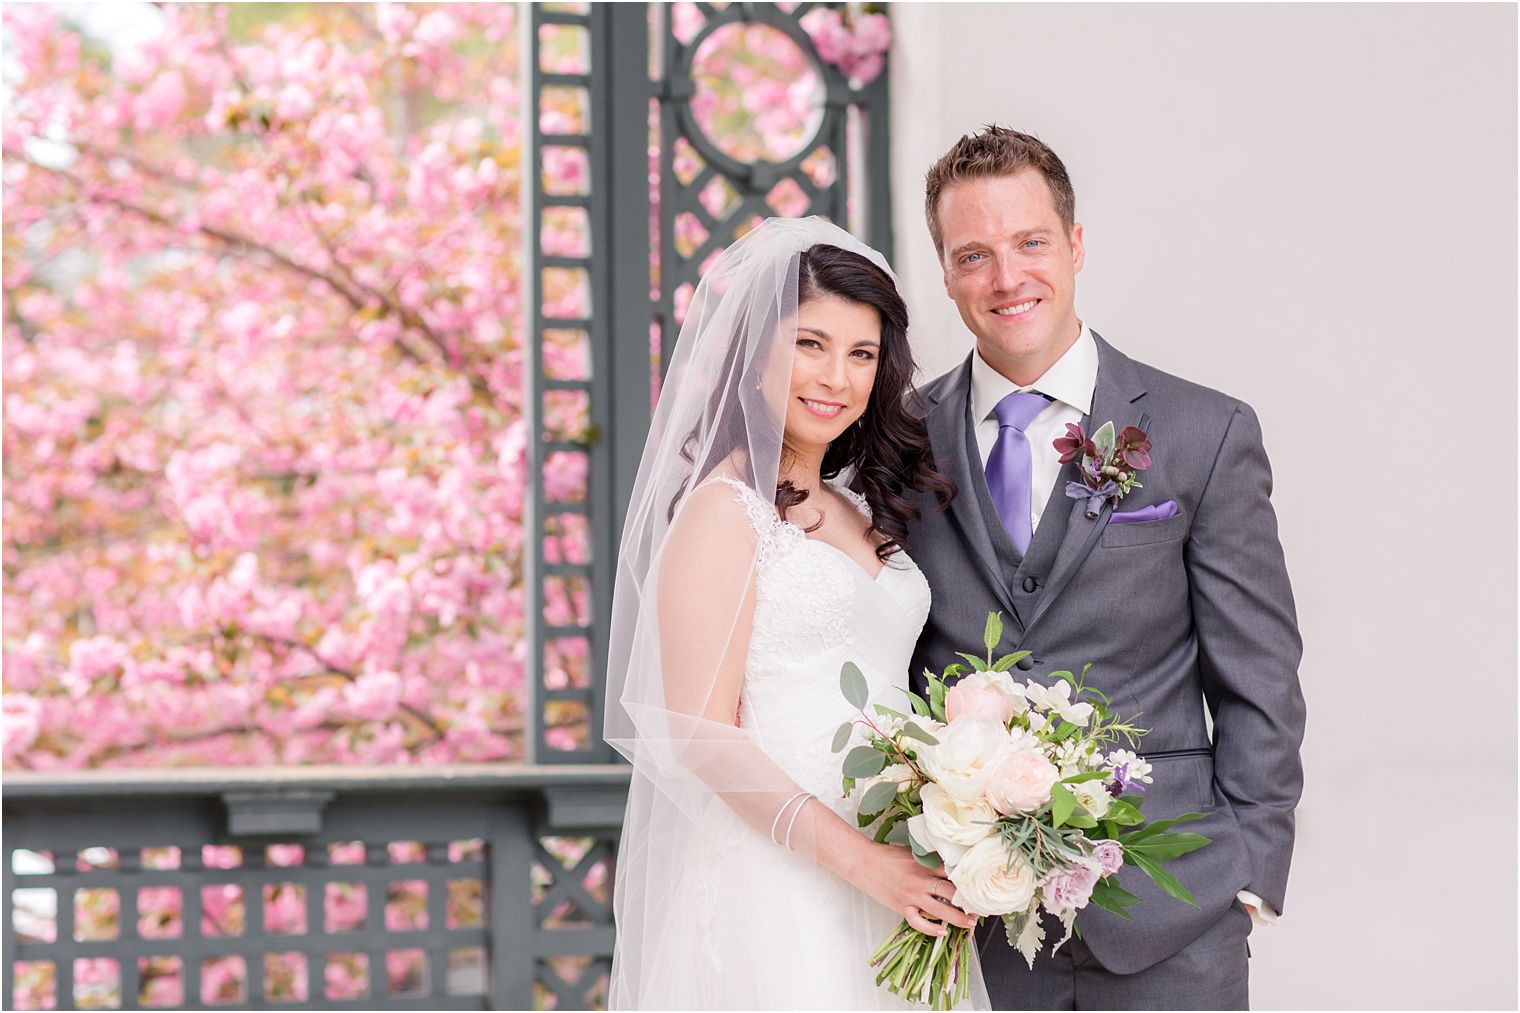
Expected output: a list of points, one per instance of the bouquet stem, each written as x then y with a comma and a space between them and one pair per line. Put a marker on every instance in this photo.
933, 970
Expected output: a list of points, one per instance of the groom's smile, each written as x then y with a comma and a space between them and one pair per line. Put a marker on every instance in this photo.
1017, 309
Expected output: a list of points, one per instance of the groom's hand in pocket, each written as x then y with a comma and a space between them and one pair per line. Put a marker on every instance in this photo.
891, 876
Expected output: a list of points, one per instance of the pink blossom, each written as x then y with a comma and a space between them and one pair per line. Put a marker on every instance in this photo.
159, 912
873, 33
161, 102
374, 696
347, 975
285, 908
21, 718
223, 979
346, 906
93, 657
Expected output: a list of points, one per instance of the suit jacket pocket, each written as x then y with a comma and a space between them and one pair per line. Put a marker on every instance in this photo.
1182, 781
1144, 532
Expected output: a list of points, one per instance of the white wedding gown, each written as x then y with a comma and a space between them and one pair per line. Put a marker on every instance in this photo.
770, 928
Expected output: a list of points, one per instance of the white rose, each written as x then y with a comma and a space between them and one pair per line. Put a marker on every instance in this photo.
1092, 796
990, 882
968, 751
949, 826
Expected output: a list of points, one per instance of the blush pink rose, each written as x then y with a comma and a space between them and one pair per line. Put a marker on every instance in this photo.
1022, 782
1109, 855
1069, 889
977, 702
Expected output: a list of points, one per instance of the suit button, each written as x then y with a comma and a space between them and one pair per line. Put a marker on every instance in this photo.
1030, 584
1025, 664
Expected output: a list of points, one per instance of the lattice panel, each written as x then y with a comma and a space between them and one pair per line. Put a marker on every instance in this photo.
572, 899
395, 925
389, 925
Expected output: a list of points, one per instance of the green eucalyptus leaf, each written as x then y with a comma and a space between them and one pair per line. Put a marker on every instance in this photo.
993, 631
864, 761
1091, 775
930, 860
912, 731
853, 683
899, 834
877, 798
842, 736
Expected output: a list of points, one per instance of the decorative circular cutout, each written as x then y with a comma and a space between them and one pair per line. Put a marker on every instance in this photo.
759, 97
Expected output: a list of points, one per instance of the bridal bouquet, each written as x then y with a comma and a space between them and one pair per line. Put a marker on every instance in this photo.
1020, 791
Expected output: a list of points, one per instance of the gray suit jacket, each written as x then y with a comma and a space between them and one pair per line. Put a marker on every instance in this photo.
1174, 615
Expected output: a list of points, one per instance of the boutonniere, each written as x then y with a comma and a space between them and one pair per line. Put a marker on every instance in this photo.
1109, 464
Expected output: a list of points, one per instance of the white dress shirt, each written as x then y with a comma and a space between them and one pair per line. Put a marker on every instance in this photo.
1070, 380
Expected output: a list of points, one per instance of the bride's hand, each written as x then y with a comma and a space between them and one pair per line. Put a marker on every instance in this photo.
892, 877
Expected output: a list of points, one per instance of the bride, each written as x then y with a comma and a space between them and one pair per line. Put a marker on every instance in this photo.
749, 573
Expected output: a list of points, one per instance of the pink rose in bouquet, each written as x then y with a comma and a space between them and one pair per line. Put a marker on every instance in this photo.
1022, 782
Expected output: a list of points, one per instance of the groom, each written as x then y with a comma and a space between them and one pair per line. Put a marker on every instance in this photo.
1178, 595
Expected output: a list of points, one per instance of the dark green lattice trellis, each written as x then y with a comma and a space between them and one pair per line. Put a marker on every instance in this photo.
633, 99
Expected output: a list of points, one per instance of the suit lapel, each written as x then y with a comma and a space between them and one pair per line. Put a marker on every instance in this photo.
1118, 389
948, 432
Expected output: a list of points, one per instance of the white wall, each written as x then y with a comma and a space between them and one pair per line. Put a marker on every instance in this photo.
1312, 208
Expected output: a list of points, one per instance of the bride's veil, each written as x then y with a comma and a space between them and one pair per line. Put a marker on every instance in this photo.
683, 602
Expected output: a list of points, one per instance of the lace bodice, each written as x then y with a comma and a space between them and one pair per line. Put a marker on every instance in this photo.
815, 609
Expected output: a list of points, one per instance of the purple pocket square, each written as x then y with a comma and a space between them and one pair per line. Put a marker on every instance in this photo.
1157, 512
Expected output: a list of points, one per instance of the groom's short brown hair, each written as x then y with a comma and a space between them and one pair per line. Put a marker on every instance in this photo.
997, 151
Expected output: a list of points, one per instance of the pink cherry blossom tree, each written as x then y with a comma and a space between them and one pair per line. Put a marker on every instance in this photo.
263, 435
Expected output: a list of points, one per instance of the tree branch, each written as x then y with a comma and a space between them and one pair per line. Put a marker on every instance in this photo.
423, 716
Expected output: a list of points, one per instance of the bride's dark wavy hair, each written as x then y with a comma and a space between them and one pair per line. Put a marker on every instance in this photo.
888, 446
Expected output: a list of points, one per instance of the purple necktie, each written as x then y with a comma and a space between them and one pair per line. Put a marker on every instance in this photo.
1009, 465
